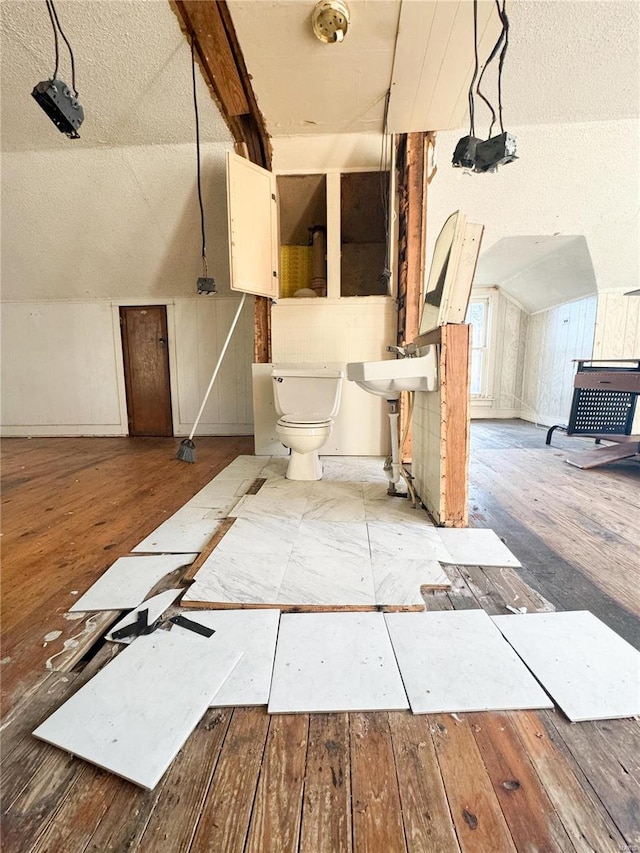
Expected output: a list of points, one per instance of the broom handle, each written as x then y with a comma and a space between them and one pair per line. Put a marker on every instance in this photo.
217, 367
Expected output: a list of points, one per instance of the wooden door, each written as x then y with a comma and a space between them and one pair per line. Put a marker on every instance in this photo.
146, 369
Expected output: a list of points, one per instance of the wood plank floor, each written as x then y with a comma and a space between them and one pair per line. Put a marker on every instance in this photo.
577, 533
381, 782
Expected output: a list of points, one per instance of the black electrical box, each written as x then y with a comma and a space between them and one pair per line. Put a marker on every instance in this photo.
495, 152
61, 105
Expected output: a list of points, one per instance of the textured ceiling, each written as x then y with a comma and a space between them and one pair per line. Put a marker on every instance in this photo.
539, 271
568, 61
133, 71
304, 86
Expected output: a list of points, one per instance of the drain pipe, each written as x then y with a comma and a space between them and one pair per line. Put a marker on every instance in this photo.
392, 465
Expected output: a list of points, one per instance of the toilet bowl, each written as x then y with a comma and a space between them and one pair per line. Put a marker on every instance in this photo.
307, 400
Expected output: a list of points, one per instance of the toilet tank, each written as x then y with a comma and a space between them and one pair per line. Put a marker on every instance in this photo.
307, 390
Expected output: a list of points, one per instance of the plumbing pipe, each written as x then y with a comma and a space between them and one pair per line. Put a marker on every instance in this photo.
319, 260
392, 467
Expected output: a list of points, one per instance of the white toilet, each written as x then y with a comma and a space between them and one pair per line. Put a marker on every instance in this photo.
307, 400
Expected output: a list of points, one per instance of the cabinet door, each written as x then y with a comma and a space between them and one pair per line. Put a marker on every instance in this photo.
253, 227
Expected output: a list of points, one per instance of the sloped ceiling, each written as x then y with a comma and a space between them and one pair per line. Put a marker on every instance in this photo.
539, 271
133, 74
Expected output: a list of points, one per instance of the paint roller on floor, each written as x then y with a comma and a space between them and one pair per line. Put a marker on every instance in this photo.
187, 450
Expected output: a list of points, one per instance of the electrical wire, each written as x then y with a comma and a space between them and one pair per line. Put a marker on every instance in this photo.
492, 56
195, 109
52, 9
503, 53
55, 37
472, 124
384, 189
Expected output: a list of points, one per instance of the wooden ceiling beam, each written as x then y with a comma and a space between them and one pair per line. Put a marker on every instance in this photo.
224, 69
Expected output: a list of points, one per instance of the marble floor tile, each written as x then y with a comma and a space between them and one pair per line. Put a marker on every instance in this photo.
476, 547
455, 661
275, 467
260, 536
272, 505
341, 468
243, 467
253, 633
591, 672
396, 509
286, 488
406, 541
127, 581
155, 607
227, 578
337, 541
133, 717
185, 531
398, 582
326, 581
335, 662
218, 493
337, 502
221, 511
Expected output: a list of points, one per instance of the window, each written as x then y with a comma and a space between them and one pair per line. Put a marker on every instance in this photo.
478, 318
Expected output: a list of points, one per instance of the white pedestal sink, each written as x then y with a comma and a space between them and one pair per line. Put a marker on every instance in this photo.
391, 377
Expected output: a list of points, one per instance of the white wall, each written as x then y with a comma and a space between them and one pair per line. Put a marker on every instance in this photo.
554, 339
110, 222
86, 230
63, 369
337, 331
507, 339
617, 326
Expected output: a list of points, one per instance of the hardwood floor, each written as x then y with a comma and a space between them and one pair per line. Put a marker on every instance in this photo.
380, 782
577, 533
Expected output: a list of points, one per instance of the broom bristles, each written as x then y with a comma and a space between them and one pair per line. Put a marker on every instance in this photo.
186, 451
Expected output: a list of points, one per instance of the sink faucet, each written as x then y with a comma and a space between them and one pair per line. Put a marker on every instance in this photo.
410, 351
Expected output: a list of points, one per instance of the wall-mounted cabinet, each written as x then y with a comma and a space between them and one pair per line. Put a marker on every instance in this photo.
308, 235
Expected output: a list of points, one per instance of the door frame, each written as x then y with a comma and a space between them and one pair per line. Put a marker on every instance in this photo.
169, 305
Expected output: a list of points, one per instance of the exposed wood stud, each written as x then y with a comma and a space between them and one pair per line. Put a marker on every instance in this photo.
411, 165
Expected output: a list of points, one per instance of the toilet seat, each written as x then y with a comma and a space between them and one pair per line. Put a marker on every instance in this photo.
305, 421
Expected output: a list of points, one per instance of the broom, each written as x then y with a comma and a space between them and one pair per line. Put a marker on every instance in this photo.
187, 450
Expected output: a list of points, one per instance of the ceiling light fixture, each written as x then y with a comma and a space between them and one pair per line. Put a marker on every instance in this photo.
330, 20
57, 100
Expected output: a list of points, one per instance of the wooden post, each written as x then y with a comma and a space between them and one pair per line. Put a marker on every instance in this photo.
442, 424
411, 160
455, 425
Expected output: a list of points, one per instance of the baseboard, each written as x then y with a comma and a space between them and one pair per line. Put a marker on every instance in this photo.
182, 430
61, 430
543, 420
490, 414
107, 430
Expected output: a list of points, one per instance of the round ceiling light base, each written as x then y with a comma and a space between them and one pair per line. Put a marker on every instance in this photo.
330, 20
